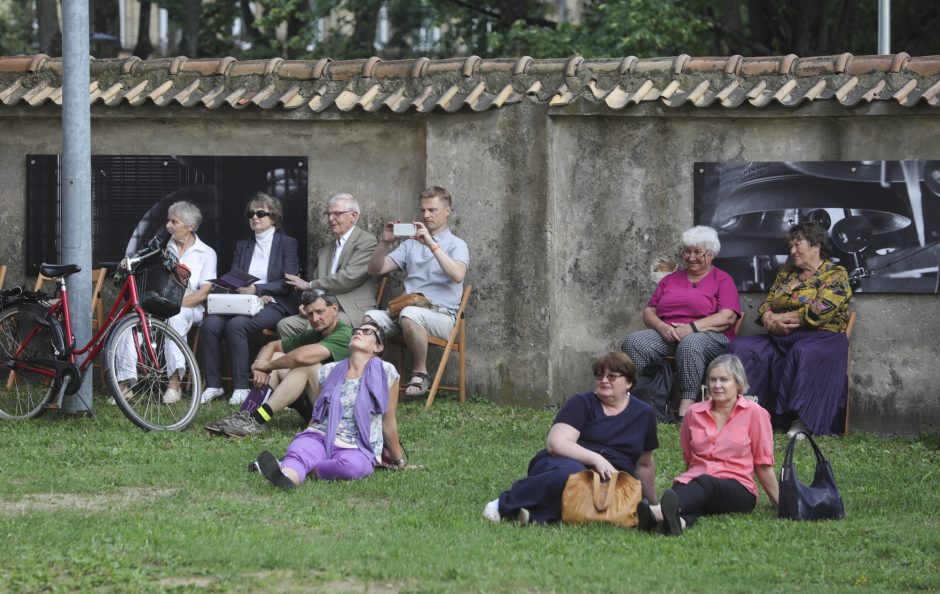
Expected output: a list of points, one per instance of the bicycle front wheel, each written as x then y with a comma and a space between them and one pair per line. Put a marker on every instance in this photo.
25, 390
139, 374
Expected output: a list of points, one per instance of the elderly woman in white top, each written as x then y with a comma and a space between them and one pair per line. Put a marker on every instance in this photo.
269, 255
183, 219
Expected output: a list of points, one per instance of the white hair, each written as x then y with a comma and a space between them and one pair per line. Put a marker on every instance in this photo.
186, 212
702, 236
351, 202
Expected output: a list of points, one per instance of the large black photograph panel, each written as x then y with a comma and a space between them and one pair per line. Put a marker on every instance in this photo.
882, 218
131, 195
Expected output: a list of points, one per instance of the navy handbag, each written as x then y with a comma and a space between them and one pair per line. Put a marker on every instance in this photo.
818, 501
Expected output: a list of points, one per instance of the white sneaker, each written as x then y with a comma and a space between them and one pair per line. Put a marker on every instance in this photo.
795, 428
210, 394
491, 511
171, 396
239, 396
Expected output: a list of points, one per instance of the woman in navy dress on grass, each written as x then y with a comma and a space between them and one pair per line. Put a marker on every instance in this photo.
604, 429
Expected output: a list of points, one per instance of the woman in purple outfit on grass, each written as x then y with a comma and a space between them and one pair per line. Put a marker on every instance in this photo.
344, 440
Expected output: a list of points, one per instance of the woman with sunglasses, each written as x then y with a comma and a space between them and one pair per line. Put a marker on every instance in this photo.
690, 316
604, 429
357, 405
268, 255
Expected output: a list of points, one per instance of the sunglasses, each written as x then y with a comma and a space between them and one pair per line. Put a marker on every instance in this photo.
257, 213
610, 377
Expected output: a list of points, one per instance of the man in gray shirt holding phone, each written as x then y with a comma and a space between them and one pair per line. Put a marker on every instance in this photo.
435, 262
341, 267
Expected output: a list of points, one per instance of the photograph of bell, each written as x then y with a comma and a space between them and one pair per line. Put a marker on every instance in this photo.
768, 198
882, 218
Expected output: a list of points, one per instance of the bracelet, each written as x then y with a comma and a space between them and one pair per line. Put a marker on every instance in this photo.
436, 246
692, 325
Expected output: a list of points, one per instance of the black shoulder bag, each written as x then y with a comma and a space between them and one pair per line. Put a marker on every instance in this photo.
818, 501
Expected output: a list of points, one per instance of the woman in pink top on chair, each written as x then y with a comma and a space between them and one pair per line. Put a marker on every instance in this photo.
726, 441
691, 315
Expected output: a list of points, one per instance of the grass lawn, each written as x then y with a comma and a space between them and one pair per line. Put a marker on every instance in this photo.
98, 505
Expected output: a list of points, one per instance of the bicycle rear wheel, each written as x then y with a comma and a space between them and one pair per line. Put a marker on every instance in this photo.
138, 375
24, 392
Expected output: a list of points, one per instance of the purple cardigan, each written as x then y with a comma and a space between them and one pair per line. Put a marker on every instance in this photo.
372, 398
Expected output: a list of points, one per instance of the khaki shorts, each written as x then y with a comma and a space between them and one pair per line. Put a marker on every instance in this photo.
437, 323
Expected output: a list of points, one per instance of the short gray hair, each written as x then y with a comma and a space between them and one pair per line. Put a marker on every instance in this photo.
734, 366
187, 212
351, 202
703, 236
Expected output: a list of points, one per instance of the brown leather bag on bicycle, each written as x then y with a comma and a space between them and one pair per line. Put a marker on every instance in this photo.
407, 300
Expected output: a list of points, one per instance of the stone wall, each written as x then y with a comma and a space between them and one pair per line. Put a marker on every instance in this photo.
565, 212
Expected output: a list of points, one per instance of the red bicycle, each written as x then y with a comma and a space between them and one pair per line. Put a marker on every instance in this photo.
143, 356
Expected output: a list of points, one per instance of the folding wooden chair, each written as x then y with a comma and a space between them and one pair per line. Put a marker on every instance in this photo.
455, 343
3, 274
98, 276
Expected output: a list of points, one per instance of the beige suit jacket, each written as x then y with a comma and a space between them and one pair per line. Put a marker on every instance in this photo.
352, 284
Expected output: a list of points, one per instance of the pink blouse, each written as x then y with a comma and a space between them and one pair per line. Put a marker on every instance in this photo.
679, 301
745, 442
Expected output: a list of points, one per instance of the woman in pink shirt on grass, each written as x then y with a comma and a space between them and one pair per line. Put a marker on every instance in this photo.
725, 442
691, 315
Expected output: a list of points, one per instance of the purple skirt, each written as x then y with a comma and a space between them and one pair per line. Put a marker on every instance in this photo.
803, 373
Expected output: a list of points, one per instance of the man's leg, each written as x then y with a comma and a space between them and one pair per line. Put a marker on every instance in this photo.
291, 326
416, 324
416, 339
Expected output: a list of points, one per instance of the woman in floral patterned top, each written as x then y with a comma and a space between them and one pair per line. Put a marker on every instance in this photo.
798, 369
353, 415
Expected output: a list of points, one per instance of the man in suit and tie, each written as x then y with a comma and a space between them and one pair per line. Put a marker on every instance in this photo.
341, 267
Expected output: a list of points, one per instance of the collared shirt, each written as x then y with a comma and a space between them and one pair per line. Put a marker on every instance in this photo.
339, 249
423, 274
201, 261
745, 442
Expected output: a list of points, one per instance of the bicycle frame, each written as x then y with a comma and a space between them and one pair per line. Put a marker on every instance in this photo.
126, 302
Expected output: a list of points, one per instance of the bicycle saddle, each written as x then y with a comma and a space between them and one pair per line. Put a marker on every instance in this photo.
57, 270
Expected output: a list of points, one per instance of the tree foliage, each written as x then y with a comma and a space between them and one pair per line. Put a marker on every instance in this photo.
346, 29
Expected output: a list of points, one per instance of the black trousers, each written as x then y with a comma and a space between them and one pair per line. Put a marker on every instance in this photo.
235, 330
707, 495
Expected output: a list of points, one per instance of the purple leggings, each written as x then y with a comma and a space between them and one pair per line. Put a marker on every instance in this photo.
306, 454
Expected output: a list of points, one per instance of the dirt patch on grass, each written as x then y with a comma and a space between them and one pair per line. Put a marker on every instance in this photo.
46, 502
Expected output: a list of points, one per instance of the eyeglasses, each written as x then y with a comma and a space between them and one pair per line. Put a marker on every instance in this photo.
611, 377
257, 213
688, 253
335, 214
367, 331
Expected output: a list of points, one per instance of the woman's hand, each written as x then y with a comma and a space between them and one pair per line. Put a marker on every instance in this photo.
249, 290
604, 468
668, 332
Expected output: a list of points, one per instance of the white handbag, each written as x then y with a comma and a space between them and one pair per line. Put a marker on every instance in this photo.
234, 305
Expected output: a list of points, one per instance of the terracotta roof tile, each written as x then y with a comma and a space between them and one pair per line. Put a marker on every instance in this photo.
421, 85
